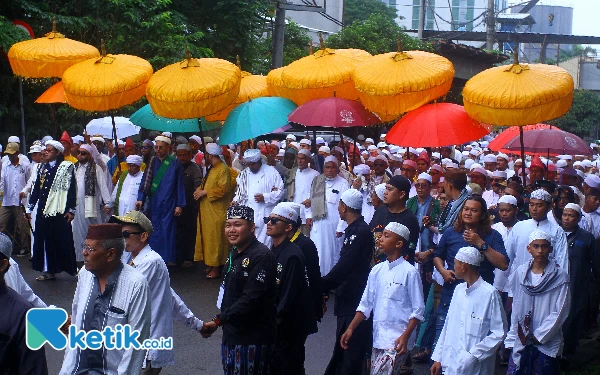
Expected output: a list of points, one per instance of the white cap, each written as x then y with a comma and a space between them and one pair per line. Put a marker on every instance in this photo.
508, 199
78, 139
97, 139
469, 255
57, 145
352, 198
161, 138
369, 140
33, 149
501, 156
380, 190
305, 152
574, 207
214, 149
501, 174
324, 149
592, 181
320, 141
561, 163
381, 145
475, 165
539, 235
542, 195
469, 163
291, 136
286, 212
14, 139
135, 159
577, 164
305, 141
196, 138
425, 176
361, 169
372, 148
484, 143
331, 158
490, 158
399, 229
252, 155
474, 152
436, 155
382, 135
479, 170
565, 157
580, 174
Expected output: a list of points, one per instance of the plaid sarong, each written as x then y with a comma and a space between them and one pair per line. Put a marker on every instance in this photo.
245, 359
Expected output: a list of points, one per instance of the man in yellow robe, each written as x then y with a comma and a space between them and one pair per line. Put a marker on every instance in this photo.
215, 197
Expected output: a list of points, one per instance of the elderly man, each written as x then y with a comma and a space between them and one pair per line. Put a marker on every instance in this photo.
323, 216
260, 187
162, 186
490, 162
124, 195
166, 304
13, 178
54, 193
297, 185
91, 191
479, 177
409, 171
117, 159
15, 356
130, 149
22, 158
213, 194
247, 295
498, 183
108, 294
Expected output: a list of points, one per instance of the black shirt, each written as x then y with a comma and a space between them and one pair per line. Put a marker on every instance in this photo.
296, 317
584, 262
248, 308
313, 271
383, 217
15, 356
349, 275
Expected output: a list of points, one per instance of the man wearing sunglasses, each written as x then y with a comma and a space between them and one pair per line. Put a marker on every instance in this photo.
296, 318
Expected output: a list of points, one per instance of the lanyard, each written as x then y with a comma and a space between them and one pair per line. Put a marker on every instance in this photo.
296, 235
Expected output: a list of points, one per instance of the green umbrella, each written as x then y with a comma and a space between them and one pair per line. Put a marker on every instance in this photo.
255, 118
147, 119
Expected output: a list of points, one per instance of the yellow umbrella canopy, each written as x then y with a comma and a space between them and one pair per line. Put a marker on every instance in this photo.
48, 56
251, 87
109, 82
519, 94
394, 83
275, 84
193, 88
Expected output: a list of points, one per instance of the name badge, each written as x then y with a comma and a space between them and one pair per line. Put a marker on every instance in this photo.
220, 298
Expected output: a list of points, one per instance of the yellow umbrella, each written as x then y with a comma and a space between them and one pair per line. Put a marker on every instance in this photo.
320, 75
251, 87
193, 88
394, 83
48, 56
275, 85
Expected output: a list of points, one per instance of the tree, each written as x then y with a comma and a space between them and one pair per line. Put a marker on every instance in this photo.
377, 34
583, 118
361, 10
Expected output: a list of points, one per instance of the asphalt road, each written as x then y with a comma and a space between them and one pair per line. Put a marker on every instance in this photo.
193, 354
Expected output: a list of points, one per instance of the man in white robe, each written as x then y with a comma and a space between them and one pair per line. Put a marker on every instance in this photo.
323, 217
34, 169
16, 282
298, 183
124, 195
259, 187
475, 324
166, 304
121, 297
89, 196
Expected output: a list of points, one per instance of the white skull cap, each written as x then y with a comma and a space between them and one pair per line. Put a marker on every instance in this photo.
399, 229
541, 194
539, 235
352, 198
574, 207
469, 255
508, 199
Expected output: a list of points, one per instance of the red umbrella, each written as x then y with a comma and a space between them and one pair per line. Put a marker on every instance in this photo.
551, 142
333, 112
508, 134
435, 125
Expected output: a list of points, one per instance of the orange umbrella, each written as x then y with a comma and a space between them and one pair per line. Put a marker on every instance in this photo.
55, 94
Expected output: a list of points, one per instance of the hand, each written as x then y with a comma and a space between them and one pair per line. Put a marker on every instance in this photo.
28, 217
429, 277
178, 211
21, 196
234, 203
449, 276
138, 205
426, 221
473, 238
400, 344
65, 327
345, 338
199, 193
259, 198
436, 369
69, 217
423, 256
309, 223
306, 203
208, 328
107, 209
338, 234
87, 139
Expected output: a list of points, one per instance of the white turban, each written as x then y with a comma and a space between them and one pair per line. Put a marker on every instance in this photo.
57, 145
469, 255
573, 207
291, 136
135, 159
14, 139
78, 139
592, 181
86, 147
542, 195
325, 149
399, 229
352, 198
305, 152
539, 235
162, 138
252, 155
508, 199
331, 158
214, 149
425, 176
380, 190
362, 169
184, 146
97, 139
196, 138
286, 212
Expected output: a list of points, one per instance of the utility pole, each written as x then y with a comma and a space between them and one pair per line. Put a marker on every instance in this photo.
491, 26
278, 35
421, 19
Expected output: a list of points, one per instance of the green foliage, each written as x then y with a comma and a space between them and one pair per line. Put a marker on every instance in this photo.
361, 10
377, 34
10, 34
583, 118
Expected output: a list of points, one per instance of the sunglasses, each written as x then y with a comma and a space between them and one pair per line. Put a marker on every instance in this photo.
83, 153
127, 233
274, 220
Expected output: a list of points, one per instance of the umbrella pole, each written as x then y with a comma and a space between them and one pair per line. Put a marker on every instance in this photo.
547, 164
344, 149
355, 149
116, 144
522, 156
202, 146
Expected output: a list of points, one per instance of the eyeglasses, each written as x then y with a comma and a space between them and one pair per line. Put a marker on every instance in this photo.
89, 249
274, 220
127, 233
83, 153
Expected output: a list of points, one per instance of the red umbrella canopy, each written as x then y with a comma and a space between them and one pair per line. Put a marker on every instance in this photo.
435, 125
552, 141
508, 134
333, 112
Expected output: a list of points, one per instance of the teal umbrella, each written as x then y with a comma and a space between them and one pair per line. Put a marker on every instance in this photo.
147, 119
255, 118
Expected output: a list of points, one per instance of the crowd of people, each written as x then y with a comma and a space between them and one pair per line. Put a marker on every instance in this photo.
451, 251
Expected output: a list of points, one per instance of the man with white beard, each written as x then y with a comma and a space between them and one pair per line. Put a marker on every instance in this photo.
124, 194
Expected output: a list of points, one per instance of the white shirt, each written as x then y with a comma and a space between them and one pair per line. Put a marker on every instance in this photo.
591, 222
395, 295
501, 277
302, 184
267, 182
490, 197
473, 331
23, 160
12, 181
129, 193
16, 282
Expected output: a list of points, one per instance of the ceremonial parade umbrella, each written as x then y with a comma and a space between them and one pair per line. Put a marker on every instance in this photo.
435, 125
394, 83
255, 118
193, 88
501, 139
104, 127
318, 75
54, 94
549, 141
251, 86
147, 119
519, 95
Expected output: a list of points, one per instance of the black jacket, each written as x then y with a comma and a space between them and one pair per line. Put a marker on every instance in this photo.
313, 271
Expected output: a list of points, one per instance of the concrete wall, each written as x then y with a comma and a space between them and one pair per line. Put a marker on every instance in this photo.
589, 75
314, 22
